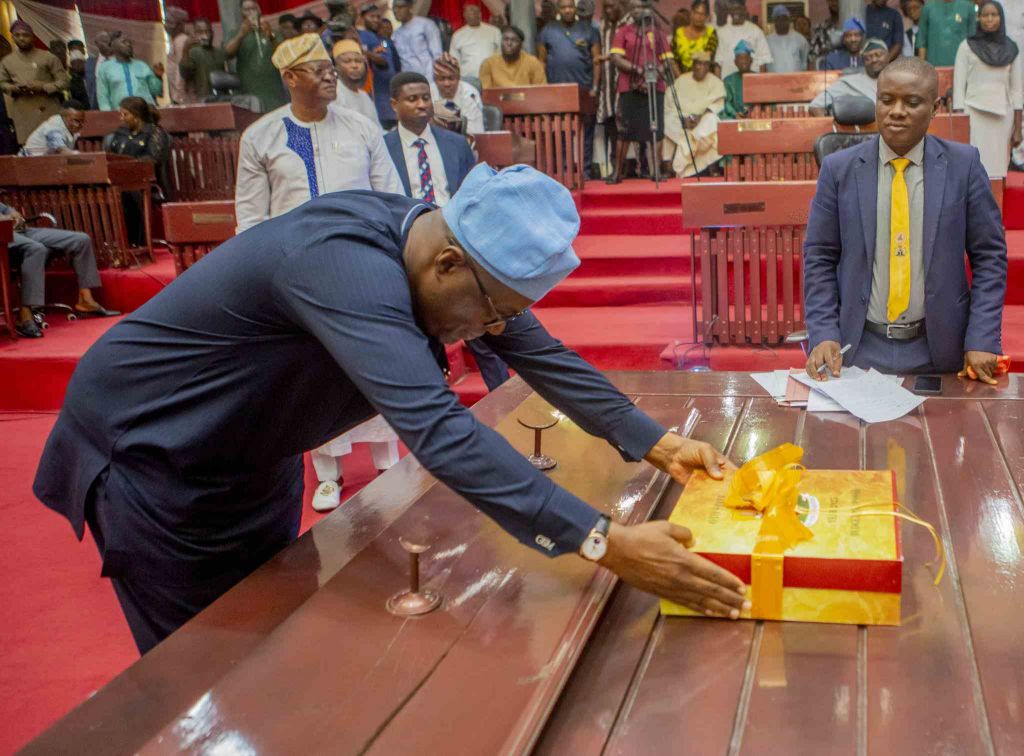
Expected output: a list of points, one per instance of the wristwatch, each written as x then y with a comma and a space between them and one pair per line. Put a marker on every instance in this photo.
596, 544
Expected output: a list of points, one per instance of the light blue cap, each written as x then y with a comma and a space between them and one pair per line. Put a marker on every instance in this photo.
743, 47
780, 11
854, 24
518, 224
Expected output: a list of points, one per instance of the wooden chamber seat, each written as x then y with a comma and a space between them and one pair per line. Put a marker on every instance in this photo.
191, 229
786, 95
204, 147
782, 149
747, 259
551, 116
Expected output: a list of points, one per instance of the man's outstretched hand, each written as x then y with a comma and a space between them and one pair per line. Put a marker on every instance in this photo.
679, 456
655, 557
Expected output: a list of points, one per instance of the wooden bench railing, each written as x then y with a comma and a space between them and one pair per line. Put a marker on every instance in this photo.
786, 95
191, 229
782, 149
746, 254
551, 116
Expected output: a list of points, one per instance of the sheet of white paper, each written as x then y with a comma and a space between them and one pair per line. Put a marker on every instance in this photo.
774, 382
820, 402
873, 397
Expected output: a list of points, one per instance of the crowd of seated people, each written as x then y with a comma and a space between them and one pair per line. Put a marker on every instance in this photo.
705, 59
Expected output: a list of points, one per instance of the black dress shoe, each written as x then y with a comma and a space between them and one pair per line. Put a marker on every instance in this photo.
99, 312
28, 329
613, 179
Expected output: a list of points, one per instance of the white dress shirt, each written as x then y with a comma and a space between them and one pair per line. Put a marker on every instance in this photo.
412, 164
284, 162
471, 46
357, 102
468, 101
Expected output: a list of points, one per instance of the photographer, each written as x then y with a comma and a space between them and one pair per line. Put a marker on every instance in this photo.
252, 47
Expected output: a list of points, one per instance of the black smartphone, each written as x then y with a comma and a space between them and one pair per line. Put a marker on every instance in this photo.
928, 384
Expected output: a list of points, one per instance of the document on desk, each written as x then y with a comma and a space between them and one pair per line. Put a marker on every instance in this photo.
818, 401
773, 382
872, 397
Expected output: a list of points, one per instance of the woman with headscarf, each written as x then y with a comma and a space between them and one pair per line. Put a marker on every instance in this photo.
987, 84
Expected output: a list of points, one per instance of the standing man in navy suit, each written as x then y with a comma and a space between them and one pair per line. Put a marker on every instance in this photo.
431, 163
860, 290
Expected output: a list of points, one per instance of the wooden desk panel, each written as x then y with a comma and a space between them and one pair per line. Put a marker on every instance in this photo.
176, 119
797, 87
277, 663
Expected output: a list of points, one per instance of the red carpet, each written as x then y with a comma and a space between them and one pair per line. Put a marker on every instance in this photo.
62, 632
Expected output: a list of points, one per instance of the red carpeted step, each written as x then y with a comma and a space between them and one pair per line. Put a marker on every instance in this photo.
633, 255
631, 193
1013, 201
36, 371
1015, 272
123, 289
612, 291
635, 220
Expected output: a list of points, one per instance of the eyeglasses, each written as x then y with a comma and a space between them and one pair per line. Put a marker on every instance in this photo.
499, 319
320, 72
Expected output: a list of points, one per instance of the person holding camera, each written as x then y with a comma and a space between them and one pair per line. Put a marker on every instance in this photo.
252, 47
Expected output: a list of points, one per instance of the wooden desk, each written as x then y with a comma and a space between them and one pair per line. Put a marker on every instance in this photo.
204, 150
786, 95
550, 115
192, 229
746, 259
6, 236
550, 656
782, 149
83, 192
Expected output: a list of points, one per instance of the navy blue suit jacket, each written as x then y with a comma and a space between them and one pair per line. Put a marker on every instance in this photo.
90, 81
456, 155
960, 215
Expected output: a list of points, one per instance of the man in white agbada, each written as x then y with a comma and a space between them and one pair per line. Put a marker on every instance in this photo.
789, 48
701, 96
475, 42
306, 149
300, 151
350, 63
740, 28
860, 84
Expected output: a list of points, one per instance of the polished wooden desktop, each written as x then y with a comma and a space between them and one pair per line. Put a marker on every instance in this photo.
555, 656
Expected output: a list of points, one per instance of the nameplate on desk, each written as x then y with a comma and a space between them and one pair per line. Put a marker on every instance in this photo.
513, 96
208, 219
732, 208
754, 124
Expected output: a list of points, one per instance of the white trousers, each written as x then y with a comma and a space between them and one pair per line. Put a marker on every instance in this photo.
328, 466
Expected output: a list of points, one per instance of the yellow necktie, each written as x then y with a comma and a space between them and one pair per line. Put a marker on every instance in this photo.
899, 243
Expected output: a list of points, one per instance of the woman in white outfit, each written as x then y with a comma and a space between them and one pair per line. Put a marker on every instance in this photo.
987, 85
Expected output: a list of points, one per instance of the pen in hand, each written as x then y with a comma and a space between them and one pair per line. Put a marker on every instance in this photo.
844, 350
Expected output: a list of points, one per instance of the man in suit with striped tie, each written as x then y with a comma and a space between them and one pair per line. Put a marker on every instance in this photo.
431, 163
885, 272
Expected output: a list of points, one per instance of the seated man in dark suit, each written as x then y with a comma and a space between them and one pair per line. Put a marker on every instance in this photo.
884, 269
431, 163
35, 245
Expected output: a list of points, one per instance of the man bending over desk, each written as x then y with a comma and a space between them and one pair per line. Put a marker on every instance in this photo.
884, 269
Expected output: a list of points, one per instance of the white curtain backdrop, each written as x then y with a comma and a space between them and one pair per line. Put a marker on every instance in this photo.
49, 23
